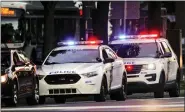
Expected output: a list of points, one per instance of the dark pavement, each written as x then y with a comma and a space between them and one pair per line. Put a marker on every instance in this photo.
136, 102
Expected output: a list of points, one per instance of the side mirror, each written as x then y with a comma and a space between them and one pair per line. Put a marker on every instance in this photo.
109, 60
99, 59
166, 55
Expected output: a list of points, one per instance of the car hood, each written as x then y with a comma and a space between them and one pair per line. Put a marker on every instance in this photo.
70, 68
131, 61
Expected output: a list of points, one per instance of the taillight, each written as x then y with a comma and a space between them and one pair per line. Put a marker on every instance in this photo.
129, 67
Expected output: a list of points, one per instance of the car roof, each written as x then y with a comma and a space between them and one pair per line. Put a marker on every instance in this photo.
78, 47
137, 41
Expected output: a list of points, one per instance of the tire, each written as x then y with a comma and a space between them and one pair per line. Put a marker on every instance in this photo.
175, 91
12, 102
59, 99
120, 95
103, 91
42, 99
34, 98
160, 92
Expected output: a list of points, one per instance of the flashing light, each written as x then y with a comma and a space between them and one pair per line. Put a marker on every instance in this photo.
81, 12
80, 43
129, 67
7, 12
145, 36
71, 43
122, 36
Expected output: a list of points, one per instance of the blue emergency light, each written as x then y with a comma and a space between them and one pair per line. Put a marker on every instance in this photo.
71, 43
145, 36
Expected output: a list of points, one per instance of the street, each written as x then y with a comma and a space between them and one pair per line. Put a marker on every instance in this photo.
136, 102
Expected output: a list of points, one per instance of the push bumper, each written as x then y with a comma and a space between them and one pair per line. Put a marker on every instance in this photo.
84, 86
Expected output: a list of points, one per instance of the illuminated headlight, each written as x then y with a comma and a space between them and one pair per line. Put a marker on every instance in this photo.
90, 74
149, 67
4, 78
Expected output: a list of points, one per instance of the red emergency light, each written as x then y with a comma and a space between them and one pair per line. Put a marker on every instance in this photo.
143, 36
129, 68
72, 43
81, 12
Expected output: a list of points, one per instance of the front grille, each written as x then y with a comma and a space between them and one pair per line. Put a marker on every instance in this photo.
62, 91
62, 79
136, 69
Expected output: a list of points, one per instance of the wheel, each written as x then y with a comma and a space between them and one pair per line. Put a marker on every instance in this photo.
34, 98
13, 101
120, 95
103, 91
42, 99
175, 91
160, 92
60, 99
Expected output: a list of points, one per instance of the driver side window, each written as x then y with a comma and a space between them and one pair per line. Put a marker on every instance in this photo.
104, 54
110, 53
15, 58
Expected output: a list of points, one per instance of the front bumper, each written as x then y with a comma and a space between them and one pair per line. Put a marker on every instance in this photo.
83, 86
145, 81
147, 76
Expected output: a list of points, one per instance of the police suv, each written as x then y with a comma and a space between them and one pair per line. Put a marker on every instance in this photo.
82, 68
150, 62
18, 78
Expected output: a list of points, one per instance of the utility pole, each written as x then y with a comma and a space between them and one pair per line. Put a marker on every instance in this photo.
87, 20
180, 24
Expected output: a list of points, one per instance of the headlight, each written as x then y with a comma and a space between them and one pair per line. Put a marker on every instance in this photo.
40, 74
90, 74
4, 78
149, 67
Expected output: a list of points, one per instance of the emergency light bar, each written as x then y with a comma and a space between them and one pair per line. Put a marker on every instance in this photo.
145, 36
80, 43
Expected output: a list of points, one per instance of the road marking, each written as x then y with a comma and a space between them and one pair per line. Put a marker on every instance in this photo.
166, 98
91, 107
182, 102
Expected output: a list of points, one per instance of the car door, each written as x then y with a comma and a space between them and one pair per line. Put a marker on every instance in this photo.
169, 61
172, 62
107, 68
19, 71
28, 73
116, 66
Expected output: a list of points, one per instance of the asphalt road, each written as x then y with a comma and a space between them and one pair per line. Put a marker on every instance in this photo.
142, 102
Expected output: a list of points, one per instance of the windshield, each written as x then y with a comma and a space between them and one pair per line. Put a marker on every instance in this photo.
5, 60
135, 50
11, 30
73, 56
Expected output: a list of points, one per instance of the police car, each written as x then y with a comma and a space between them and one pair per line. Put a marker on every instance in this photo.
18, 78
150, 62
82, 68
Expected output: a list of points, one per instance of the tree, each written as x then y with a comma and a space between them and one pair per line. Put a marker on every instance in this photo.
100, 20
49, 38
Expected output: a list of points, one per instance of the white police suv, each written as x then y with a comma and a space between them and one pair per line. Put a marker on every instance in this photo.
85, 69
150, 62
